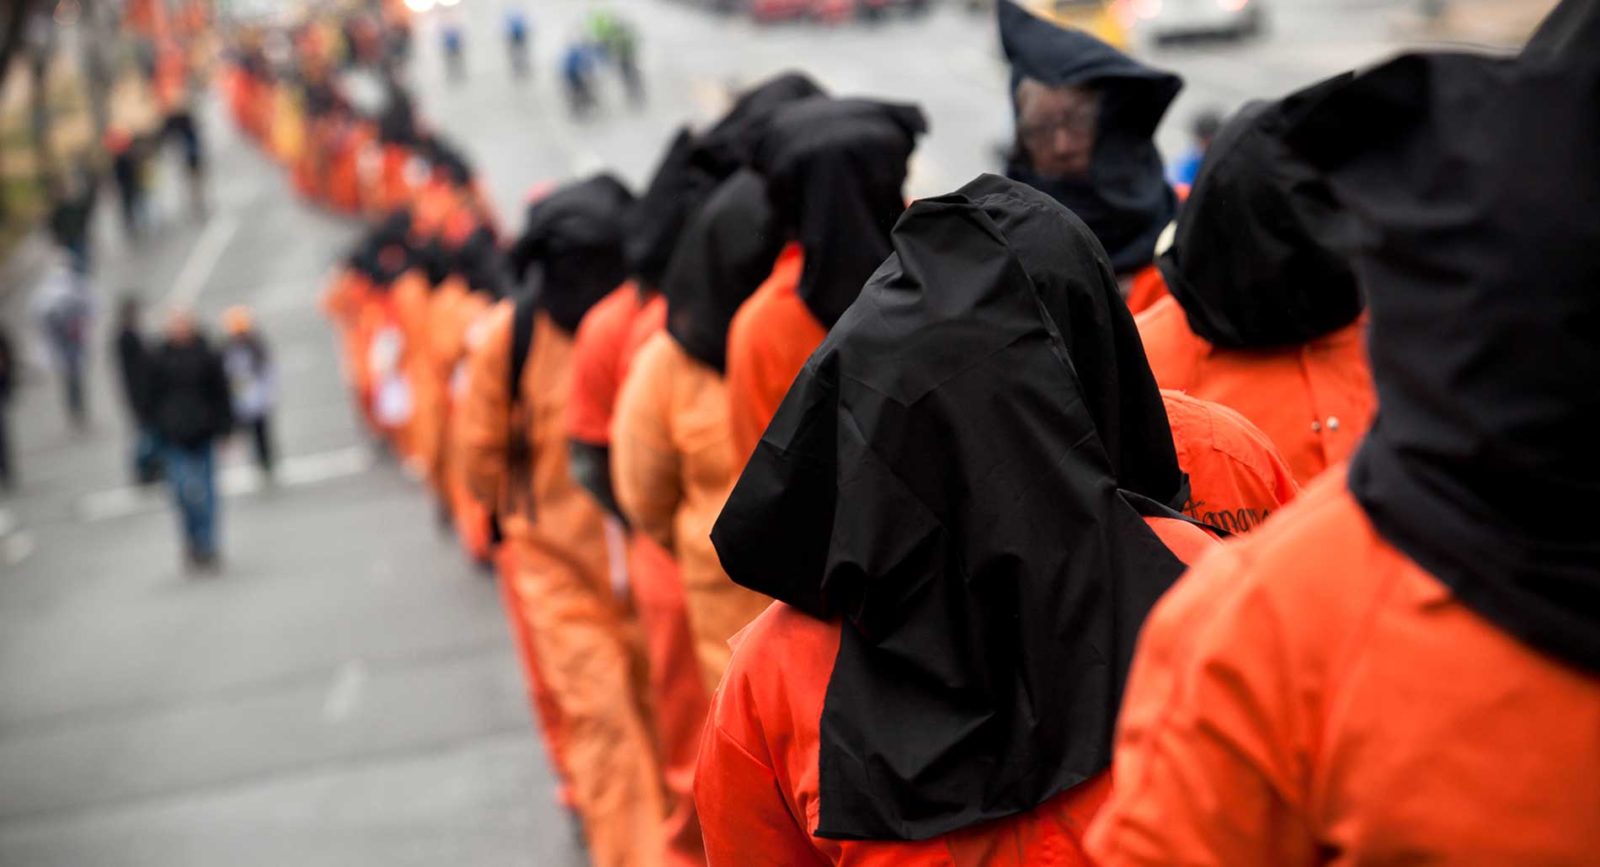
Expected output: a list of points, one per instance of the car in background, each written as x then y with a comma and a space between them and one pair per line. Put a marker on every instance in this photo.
1170, 20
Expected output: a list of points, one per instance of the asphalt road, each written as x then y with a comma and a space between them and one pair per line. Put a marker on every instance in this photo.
344, 693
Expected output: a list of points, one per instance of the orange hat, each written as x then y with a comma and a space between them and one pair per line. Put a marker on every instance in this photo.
238, 320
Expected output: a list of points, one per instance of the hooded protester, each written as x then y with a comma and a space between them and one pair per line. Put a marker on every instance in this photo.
672, 458
959, 508
1404, 667
836, 169
607, 342
513, 451
1266, 313
1086, 117
483, 283
253, 378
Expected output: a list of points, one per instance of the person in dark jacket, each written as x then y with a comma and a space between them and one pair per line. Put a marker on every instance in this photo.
8, 380
131, 354
191, 408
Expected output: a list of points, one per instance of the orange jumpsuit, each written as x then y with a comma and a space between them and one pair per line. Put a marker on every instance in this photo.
562, 588
1315, 400
1310, 695
673, 467
455, 309
1146, 289
609, 338
419, 442
770, 339
757, 787
1236, 476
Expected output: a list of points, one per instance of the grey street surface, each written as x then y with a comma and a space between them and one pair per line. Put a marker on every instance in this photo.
345, 693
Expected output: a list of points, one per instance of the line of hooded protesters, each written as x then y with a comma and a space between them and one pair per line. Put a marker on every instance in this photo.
833, 530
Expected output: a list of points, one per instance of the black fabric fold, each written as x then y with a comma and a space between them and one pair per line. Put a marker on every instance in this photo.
836, 171
726, 252
662, 211
959, 473
1260, 258
1125, 198
1475, 180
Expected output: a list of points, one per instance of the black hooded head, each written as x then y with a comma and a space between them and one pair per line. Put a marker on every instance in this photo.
727, 145
726, 252
482, 264
959, 472
575, 237
661, 213
1125, 199
836, 169
1476, 183
1260, 259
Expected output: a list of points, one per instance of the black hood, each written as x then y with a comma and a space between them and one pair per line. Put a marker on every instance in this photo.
836, 169
575, 236
1125, 199
1260, 258
726, 252
693, 168
727, 145
657, 220
1476, 183
959, 472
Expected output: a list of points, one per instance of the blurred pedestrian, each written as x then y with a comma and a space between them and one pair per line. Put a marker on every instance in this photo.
64, 308
72, 201
577, 71
127, 172
1186, 167
8, 384
176, 98
191, 409
132, 356
253, 379
453, 39
616, 38
1086, 116
517, 40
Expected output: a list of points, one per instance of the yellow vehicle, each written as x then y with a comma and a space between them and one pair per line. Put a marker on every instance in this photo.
1103, 19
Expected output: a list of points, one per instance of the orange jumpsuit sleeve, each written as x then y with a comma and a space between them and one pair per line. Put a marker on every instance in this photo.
1174, 352
482, 435
1213, 743
743, 815
645, 465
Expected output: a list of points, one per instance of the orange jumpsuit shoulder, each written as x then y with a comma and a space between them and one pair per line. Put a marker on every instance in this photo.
1309, 695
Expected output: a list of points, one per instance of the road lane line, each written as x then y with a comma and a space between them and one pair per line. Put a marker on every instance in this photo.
234, 481
191, 280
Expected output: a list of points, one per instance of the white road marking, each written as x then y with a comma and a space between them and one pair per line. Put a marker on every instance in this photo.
234, 481
191, 280
344, 694
17, 547
337, 464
